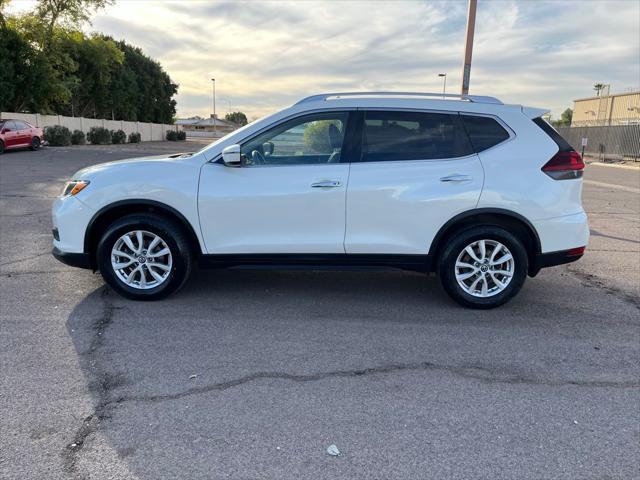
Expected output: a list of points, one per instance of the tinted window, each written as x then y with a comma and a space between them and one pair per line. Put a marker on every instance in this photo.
306, 140
563, 145
484, 132
393, 135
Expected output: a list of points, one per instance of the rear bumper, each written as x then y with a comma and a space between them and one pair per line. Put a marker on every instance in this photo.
551, 259
80, 260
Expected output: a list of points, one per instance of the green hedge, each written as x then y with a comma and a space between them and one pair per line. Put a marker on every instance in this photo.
172, 135
134, 137
99, 136
57, 136
78, 137
118, 136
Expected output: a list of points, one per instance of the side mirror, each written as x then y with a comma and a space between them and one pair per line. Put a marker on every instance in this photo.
231, 156
5, 130
268, 148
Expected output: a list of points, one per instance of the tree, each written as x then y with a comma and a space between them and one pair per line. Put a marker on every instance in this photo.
3, 20
79, 74
566, 117
72, 13
238, 118
598, 87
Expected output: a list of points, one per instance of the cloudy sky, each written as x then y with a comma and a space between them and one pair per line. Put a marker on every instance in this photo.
265, 55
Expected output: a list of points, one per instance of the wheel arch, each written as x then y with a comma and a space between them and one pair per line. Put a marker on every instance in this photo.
512, 221
109, 213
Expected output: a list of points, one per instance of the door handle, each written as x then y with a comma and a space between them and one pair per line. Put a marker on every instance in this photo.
327, 184
456, 178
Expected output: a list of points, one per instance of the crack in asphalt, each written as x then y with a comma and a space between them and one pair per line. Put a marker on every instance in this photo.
32, 272
471, 372
26, 258
99, 387
103, 383
589, 280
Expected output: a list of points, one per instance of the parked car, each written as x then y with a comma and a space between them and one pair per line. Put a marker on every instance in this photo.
19, 134
480, 192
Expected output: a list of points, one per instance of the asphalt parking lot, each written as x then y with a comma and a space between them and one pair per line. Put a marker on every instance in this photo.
253, 374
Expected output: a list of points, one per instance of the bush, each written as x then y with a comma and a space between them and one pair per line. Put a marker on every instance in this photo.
182, 135
134, 137
99, 136
118, 137
172, 135
78, 138
57, 136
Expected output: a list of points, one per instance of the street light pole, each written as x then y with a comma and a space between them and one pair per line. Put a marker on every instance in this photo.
468, 47
213, 81
444, 83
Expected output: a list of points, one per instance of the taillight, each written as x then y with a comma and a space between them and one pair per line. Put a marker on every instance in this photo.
575, 252
564, 166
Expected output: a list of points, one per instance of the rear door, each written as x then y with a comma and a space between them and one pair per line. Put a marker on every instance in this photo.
23, 133
416, 170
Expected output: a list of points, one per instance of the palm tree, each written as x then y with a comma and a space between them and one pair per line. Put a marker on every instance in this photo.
598, 87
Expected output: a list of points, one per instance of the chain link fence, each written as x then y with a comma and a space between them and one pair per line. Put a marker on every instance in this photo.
606, 143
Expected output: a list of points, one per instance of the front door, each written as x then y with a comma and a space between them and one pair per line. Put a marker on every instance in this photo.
287, 197
11, 135
416, 171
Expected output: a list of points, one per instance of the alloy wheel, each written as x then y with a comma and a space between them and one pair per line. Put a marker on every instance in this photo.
484, 268
141, 259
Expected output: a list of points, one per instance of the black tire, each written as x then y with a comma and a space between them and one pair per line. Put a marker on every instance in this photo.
458, 242
175, 239
35, 143
1, 147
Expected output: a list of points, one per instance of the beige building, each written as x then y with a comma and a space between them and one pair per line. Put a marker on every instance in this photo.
617, 109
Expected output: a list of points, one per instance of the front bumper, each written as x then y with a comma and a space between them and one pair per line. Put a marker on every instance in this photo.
80, 260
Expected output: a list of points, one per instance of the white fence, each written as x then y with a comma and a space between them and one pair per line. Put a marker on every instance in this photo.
148, 131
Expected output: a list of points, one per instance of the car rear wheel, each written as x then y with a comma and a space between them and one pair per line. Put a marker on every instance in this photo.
1, 147
483, 267
35, 143
144, 256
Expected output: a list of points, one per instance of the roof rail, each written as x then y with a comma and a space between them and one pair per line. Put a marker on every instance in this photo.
448, 96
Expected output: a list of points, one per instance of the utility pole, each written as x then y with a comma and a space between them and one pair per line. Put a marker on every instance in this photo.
468, 47
213, 81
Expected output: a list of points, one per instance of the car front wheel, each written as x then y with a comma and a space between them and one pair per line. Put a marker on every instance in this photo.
144, 256
35, 143
483, 267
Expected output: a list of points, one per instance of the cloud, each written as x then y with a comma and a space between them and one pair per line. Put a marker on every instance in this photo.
266, 55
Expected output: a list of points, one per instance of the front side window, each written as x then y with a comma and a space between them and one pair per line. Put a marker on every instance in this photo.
392, 135
312, 139
20, 125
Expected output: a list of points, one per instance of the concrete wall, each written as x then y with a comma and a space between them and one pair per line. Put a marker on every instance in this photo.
148, 131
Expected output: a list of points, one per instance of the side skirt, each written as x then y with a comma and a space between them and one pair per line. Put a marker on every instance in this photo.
330, 261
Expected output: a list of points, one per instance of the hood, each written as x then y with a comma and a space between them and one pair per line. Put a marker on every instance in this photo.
132, 163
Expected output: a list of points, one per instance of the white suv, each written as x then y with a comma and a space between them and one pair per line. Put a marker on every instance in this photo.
480, 192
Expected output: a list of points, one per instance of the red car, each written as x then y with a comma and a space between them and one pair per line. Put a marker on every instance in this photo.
19, 134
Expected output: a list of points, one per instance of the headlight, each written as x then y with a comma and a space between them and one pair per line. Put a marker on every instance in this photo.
74, 187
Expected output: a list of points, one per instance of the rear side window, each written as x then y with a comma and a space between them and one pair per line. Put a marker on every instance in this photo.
484, 132
563, 145
392, 135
